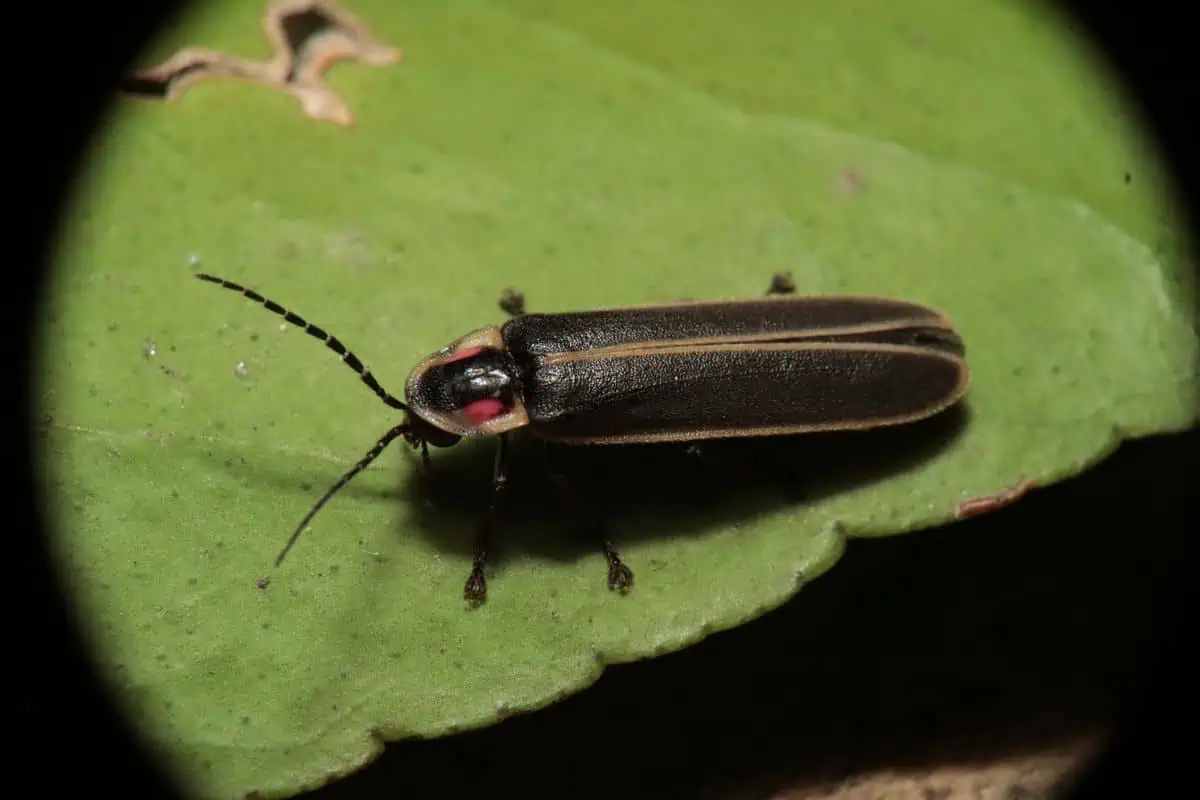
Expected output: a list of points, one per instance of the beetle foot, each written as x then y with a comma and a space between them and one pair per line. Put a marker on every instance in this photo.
475, 590
782, 283
512, 302
620, 577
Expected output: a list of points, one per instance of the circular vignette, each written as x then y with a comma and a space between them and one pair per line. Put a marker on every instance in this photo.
82, 711
59, 701
1140, 46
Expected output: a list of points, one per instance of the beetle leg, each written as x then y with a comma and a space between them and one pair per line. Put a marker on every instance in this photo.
475, 590
782, 283
512, 302
620, 577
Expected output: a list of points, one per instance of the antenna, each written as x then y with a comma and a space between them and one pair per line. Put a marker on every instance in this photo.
332, 342
353, 362
362, 464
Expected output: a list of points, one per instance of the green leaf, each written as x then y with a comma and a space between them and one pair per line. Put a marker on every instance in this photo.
589, 155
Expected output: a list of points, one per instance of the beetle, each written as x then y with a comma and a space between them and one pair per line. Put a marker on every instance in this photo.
772, 365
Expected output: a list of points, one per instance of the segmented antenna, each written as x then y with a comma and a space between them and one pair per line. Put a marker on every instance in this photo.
332, 342
362, 464
352, 361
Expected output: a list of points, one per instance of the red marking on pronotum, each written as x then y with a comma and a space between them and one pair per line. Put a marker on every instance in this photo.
483, 410
460, 355
993, 502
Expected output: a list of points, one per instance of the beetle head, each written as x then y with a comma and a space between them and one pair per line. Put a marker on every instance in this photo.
421, 431
470, 388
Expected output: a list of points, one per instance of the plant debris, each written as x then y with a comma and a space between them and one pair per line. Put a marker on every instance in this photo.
308, 37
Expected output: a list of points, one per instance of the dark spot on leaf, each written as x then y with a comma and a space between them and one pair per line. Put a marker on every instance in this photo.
306, 486
416, 169
192, 581
244, 720
851, 182
333, 707
1055, 369
656, 564
394, 654
254, 337
344, 675
334, 569
113, 327
1128, 178
229, 463
160, 657
266, 625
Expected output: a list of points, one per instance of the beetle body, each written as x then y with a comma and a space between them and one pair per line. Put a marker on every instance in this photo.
682, 372
685, 372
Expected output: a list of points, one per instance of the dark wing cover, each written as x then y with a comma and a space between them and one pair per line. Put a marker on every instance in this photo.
532, 336
717, 391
